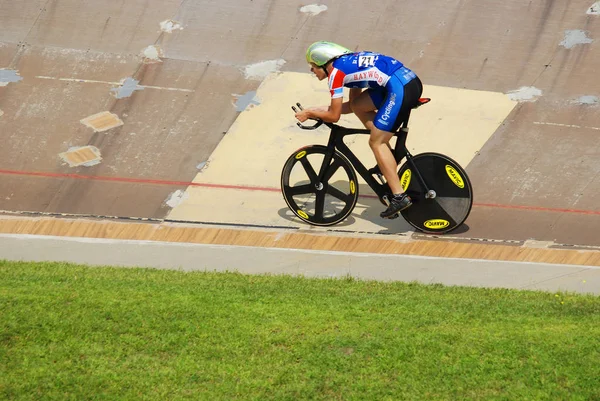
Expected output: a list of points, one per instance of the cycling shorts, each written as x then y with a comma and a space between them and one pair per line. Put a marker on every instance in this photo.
396, 99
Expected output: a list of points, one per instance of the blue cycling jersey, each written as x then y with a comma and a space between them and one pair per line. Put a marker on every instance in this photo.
365, 70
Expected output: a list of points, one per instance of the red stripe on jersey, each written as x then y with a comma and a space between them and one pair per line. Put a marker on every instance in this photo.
336, 80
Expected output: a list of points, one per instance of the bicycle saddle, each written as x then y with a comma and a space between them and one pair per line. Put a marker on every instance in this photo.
422, 101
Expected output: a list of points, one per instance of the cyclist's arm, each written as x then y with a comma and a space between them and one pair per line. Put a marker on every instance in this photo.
329, 115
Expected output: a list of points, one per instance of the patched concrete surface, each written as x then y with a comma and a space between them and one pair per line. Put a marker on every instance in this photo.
228, 47
169, 26
8, 76
588, 99
259, 71
574, 37
86, 156
457, 122
313, 9
127, 88
152, 54
525, 94
594, 9
103, 121
176, 198
249, 99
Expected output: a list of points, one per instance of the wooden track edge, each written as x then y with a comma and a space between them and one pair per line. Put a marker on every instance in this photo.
399, 244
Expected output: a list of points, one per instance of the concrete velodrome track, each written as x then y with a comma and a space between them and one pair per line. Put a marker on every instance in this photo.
179, 111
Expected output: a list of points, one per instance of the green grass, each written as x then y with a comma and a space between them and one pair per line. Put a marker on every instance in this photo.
72, 332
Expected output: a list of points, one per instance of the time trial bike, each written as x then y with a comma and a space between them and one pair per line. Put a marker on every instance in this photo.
319, 183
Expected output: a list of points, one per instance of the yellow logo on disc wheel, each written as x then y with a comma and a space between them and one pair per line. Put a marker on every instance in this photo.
300, 155
405, 180
302, 214
454, 176
436, 224
352, 187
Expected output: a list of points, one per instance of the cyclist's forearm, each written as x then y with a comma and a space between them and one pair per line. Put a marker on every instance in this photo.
329, 114
325, 115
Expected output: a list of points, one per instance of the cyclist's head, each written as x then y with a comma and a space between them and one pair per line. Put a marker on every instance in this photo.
320, 53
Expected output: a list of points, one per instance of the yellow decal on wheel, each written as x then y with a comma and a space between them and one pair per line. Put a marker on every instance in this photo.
436, 224
302, 214
352, 187
405, 180
300, 155
454, 176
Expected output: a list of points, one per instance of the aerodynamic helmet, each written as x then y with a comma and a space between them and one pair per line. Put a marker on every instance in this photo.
320, 53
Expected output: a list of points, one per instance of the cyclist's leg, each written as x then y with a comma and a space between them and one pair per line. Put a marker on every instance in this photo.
379, 142
401, 97
365, 107
383, 126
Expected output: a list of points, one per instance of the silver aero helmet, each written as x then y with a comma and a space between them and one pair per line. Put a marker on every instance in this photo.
320, 53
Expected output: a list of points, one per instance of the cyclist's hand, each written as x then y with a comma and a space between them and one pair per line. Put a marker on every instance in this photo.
302, 115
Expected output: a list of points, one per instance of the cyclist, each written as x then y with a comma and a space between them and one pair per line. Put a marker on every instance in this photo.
392, 90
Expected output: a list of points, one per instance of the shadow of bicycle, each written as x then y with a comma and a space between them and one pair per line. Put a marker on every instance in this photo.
364, 217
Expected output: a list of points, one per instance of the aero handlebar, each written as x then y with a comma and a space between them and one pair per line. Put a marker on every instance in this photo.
315, 126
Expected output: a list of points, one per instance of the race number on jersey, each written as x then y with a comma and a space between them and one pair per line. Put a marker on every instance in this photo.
366, 61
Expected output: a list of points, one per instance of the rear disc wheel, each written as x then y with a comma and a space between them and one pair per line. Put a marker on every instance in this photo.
450, 197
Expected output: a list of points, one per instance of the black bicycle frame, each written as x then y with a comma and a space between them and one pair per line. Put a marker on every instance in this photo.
336, 141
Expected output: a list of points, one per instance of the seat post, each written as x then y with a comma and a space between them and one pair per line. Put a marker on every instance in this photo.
400, 149
404, 125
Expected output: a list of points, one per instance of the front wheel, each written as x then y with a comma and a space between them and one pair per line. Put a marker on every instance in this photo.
321, 203
449, 200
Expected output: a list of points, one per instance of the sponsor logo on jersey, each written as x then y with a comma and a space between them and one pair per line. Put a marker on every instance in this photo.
370, 75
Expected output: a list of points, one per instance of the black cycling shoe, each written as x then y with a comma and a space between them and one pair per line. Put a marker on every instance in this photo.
397, 204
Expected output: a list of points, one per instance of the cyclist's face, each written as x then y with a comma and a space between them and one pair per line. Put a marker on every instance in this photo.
318, 71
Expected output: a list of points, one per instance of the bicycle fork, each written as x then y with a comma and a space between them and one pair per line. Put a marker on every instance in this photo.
326, 162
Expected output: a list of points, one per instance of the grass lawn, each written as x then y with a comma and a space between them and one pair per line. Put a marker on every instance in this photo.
72, 332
